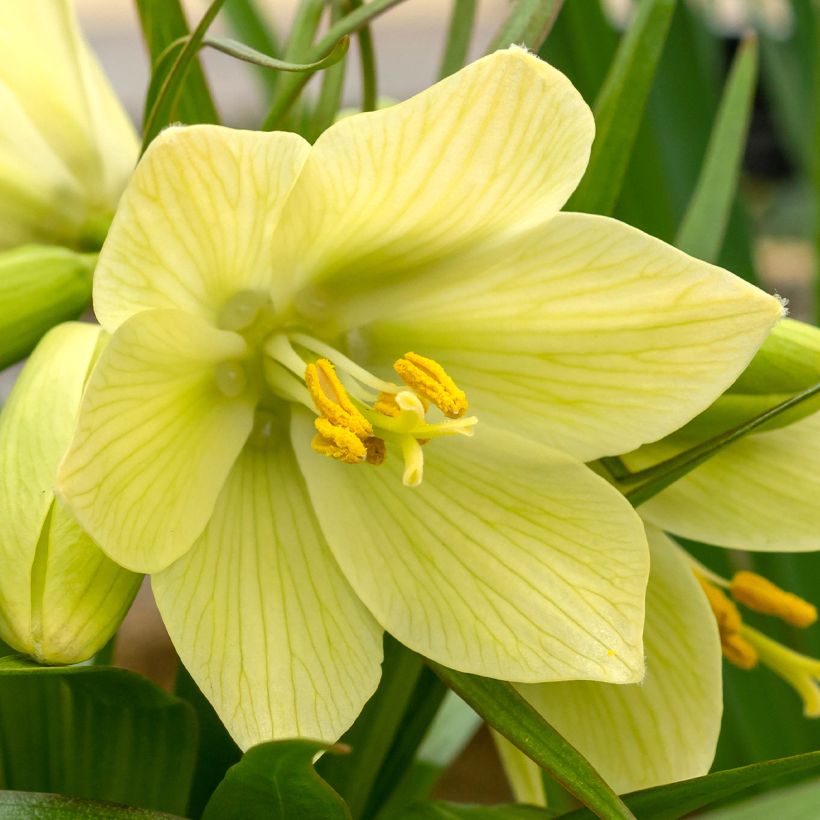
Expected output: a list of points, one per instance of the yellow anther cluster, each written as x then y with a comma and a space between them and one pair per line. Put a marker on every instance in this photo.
736, 648
758, 593
430, 381
341, 428
332, 401
338, 442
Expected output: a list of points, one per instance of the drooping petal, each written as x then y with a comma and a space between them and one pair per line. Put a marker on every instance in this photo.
584, 333
665, 728
156, 438
60, 90
194, 225
760, 493
510, 560
501, 143
61, 598
261, 615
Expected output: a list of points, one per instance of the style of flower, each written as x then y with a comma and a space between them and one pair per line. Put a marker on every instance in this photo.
257, 290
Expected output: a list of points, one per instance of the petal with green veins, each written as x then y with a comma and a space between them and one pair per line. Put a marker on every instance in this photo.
156, 438
583, 333
666, 728
502, 142
61, 598
262, 616
509, 560
195, 225
759, 493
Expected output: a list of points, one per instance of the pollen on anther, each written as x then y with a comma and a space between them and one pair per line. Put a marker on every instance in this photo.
431, 381
332, 401
338, 442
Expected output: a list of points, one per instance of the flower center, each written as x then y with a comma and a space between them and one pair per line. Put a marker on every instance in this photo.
360, 417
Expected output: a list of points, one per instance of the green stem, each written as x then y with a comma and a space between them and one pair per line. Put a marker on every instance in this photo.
288, 92
459, 34
528, 24
367, 57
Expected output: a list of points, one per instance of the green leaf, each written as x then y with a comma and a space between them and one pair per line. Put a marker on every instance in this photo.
249, 55
371, 736
163, 22
94, 732
528, 24
250, 27
40, 286
216, 751
619, 107
459, 34
795, 803
703, 228
22, 805
641, 486
510, 715
161, 108
277, 781
439, 810
679, 799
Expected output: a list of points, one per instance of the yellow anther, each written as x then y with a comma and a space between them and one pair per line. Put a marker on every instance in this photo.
726, 613
429, 379
761, 595
386, 405
376, 450
338, 442
737, 650
392, 404
332, 401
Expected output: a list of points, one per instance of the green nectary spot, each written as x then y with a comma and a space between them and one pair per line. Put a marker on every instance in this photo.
231, 379
267, 429
241, 310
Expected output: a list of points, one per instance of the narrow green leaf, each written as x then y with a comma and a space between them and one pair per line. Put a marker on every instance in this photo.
439, 810
795, 803
216, 752
277, 781
40, 286
367, 60
658, 477
330, 95
249, 55
292, 85
679, 799
22, 805
510, 715
619, 107
163, 22
371, 736
253, 30
528, 24
459, 34
164, 106
704, 226
94, 732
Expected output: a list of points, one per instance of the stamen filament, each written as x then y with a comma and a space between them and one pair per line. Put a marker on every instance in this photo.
279, 348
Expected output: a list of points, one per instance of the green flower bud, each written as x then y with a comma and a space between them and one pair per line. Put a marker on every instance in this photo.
61, 598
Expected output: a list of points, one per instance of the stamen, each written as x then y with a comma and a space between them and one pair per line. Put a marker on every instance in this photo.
376, 451
761, 595
738, 651
725, 612
429, 379
332, 401
231, 379
799, 671
392, 404
338, 442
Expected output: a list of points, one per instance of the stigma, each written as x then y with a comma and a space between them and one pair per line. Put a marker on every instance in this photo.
362, 419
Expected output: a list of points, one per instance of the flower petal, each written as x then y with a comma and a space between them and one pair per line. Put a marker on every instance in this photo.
194, 225
759, 493
666, 728
584, 333
510, 560
501, 143
61, 598
261, 615
50, 70
155, 439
